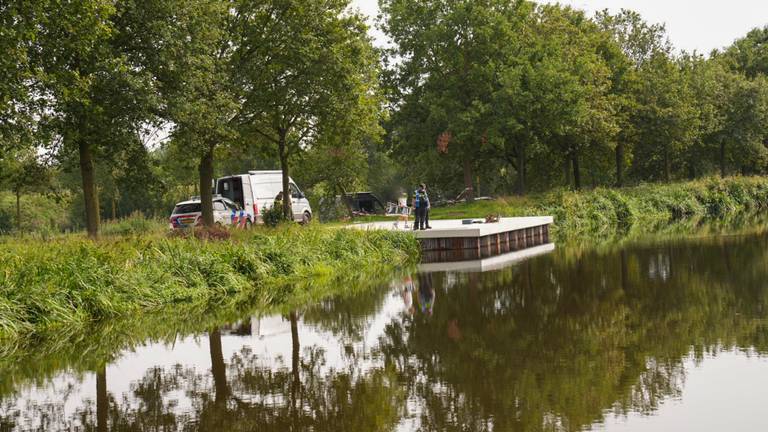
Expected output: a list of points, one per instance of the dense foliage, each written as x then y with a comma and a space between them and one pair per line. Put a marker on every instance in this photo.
496, 96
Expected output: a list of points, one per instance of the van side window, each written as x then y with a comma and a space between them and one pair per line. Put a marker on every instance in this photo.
218, 206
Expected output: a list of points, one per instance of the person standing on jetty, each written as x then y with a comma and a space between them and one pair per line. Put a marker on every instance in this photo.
429, 207
421, 206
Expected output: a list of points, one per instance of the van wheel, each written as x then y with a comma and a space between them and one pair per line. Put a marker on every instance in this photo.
306, 218
248, 224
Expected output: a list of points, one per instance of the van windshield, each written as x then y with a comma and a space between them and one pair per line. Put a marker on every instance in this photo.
187, 208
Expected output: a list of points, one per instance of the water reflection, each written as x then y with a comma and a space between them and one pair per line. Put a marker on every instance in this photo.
559, 342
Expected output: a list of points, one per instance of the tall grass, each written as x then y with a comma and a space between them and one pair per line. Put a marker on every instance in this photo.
71, 282
604, 211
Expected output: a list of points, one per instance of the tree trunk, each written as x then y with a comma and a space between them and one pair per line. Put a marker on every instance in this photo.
347, 204
296, 382
218, 367
722, 158
576, 170
102, 400
469, 196
282, 147
567, 171
620, 164
114, 208
206, 178
667, 165
520, 186
18, 209
89, 189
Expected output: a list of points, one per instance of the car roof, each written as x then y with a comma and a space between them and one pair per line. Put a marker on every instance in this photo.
197, 201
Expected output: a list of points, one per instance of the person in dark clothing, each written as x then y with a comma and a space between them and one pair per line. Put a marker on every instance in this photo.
426, 294
420, 205
429, 207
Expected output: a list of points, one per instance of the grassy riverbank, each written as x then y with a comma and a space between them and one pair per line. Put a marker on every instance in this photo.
601, 211
69, 282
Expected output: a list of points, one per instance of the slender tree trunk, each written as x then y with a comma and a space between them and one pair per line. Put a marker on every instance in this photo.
620, 164
18, 209
218, 367
114, 208
296, 383
282, 147
102, 400
667, 165
206, 178
347, 204
691, 169
470, 194
722, 159
576, 170
520, 186
89, 189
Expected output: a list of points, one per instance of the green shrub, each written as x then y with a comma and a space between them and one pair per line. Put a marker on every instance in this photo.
273, 216
135, 224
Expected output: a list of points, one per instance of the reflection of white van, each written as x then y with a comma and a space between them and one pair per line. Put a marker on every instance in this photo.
258, 189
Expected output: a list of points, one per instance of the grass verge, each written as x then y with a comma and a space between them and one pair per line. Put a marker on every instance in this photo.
69, 282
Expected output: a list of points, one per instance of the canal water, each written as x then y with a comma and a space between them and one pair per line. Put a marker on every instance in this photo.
669, 336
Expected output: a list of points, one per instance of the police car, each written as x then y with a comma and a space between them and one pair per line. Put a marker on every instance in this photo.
187, 214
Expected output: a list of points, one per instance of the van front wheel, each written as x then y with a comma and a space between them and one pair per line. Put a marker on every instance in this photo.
306, 218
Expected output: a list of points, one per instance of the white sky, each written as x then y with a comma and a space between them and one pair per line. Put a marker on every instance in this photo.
700, 25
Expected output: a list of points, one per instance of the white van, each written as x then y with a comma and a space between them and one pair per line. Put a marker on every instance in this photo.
258, 189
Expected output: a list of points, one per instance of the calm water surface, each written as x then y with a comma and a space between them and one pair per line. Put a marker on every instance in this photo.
667, 337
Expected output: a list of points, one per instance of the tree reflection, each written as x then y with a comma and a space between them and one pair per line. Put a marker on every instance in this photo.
550, 344
555, 342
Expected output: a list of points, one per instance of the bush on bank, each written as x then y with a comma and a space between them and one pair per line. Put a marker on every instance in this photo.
70, 281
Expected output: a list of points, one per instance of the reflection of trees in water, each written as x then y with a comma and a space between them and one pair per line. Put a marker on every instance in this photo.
550, 344
247, 393
554, 342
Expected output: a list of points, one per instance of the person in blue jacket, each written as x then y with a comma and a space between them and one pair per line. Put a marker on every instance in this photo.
421, 206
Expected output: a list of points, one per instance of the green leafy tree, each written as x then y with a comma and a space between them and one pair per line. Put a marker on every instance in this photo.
666, 119
306, 68
188, 46
749, 55
449, 59
89, 95
573, 80
638, 41
23, 172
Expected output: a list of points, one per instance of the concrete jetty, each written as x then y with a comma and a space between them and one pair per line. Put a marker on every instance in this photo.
453, 240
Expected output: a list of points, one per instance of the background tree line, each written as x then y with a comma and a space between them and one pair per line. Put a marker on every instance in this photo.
108, 107
498, 96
